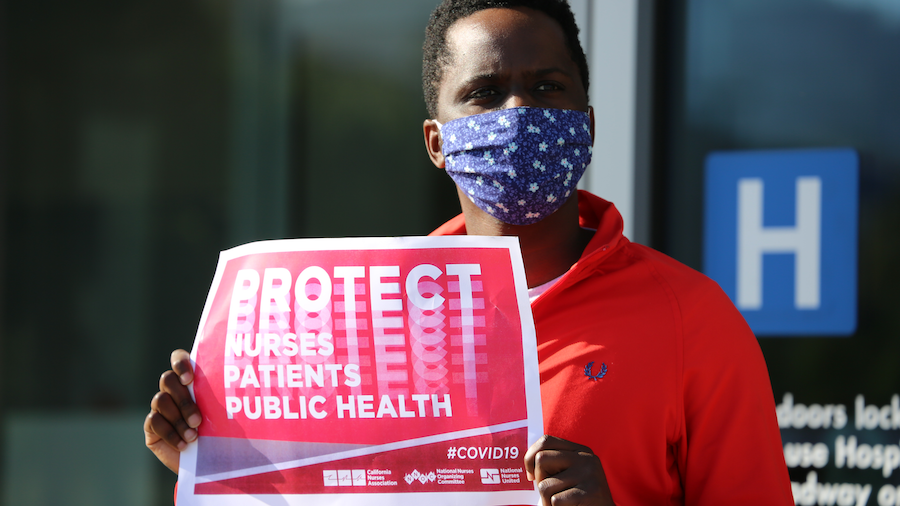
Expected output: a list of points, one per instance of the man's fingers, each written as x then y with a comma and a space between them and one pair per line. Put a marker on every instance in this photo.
548, 463
173, 418
170, 384
566, 478
554, 443
552, 485
567, 496
563, 489
181, 364
163, 404
166, 454
549, 443
156, 423
566, 473
150, 435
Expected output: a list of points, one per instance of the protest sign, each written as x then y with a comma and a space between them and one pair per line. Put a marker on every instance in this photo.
365, 371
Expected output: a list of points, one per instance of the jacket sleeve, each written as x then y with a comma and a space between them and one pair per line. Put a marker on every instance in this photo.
731, 450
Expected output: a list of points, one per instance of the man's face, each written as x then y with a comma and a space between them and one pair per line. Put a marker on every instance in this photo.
502, 58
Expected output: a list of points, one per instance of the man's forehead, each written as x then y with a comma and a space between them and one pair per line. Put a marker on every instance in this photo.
495, 21
488, 39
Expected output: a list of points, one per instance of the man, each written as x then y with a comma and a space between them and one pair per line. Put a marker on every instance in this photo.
679, 409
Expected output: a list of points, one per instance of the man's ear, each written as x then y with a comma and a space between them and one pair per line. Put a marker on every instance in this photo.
591, 114
433, 142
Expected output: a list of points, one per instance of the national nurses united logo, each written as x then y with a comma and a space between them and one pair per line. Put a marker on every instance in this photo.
490, 476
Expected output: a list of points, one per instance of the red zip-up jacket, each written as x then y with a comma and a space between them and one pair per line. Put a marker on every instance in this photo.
648, 363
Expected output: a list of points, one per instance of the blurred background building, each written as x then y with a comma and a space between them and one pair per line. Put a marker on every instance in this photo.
138, 139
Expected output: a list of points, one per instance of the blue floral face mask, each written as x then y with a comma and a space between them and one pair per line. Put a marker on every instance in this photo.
521, 164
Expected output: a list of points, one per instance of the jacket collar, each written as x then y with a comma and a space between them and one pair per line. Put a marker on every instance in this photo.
593, 213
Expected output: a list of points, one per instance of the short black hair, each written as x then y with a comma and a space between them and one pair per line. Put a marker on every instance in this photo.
436, 55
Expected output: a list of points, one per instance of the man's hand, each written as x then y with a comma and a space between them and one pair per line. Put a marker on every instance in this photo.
567, 474
173, 417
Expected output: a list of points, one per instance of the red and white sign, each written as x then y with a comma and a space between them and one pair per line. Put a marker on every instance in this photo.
365, 371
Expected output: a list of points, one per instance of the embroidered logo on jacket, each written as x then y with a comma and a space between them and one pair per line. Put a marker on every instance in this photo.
599, 375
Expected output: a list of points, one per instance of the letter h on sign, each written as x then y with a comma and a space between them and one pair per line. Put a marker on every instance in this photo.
803, 240
780, 238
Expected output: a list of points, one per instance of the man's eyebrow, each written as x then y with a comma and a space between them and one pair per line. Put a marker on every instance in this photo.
548, 71
491, 76
481, 77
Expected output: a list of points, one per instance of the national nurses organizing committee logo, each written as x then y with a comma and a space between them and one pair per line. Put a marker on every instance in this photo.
780, 237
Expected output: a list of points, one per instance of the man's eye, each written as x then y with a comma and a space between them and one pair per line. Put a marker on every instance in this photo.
482, 93
548, 87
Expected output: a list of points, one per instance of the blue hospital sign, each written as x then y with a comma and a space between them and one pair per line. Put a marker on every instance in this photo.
780, 237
